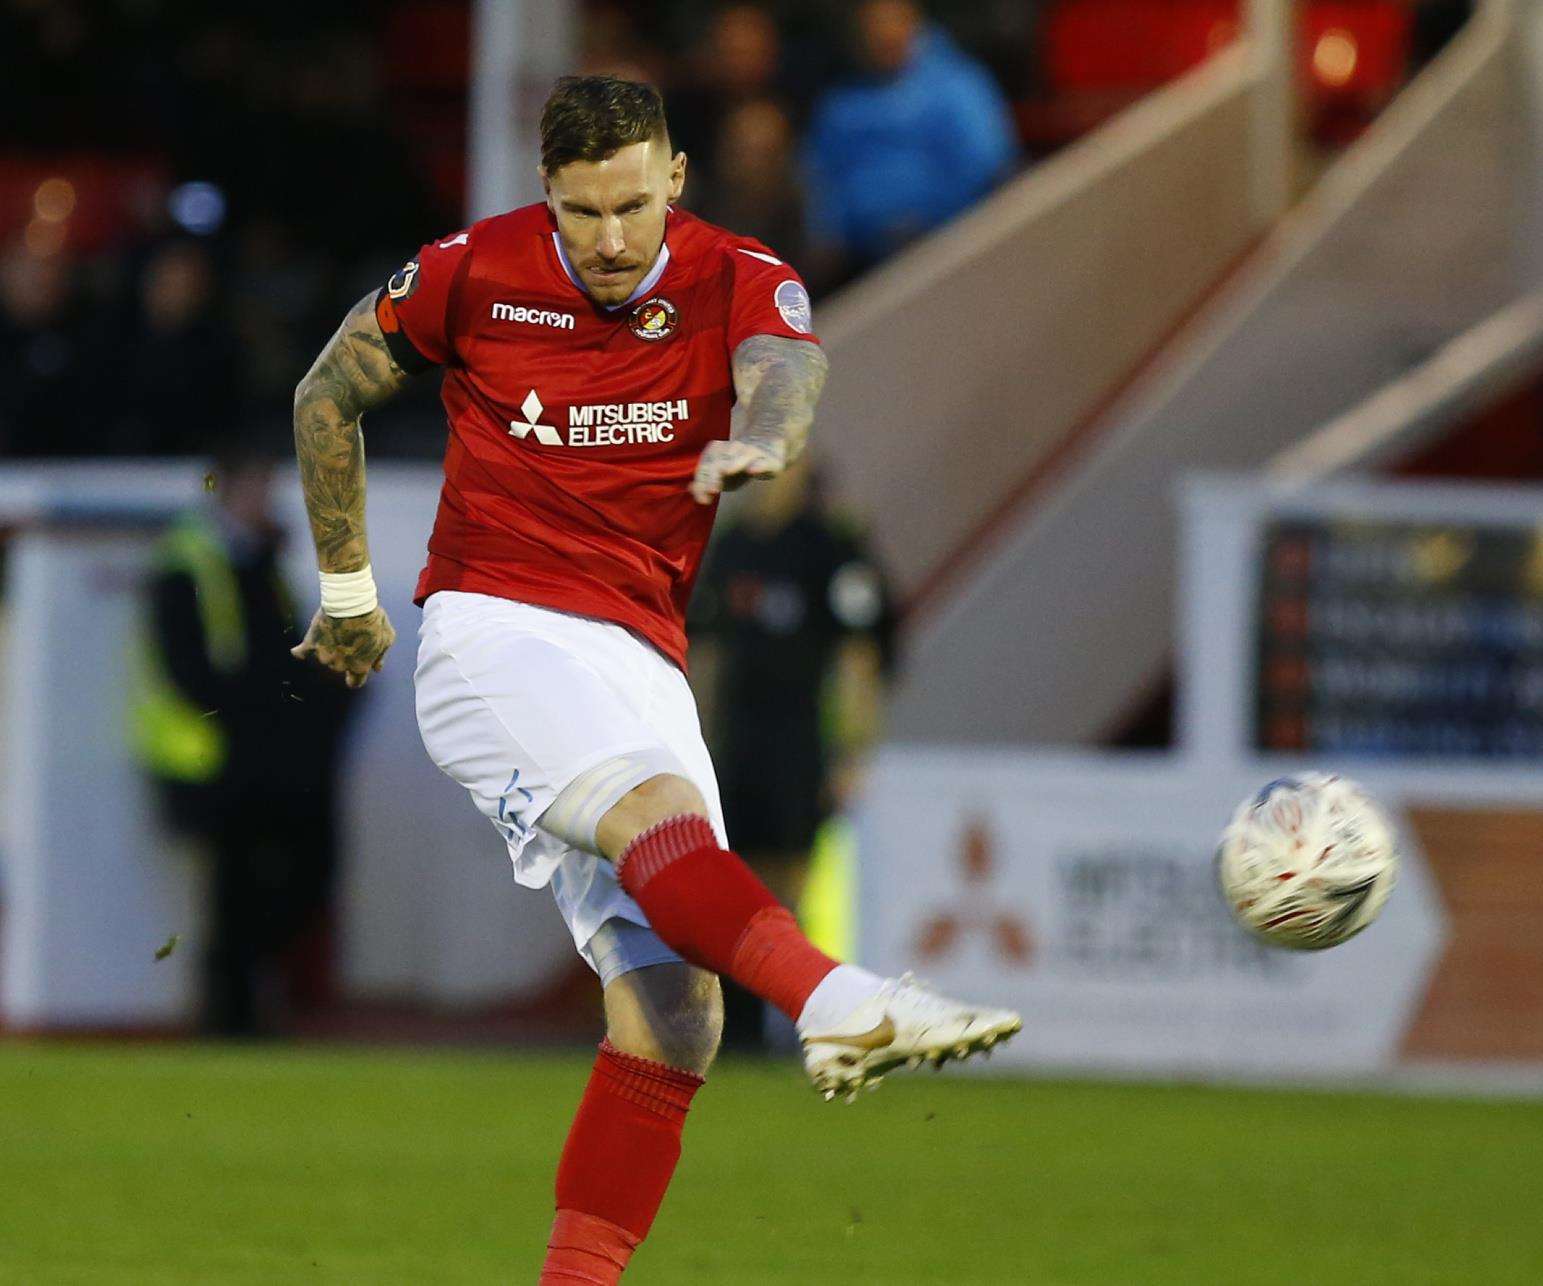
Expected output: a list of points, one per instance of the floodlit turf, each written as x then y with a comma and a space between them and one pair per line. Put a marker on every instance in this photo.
170, 1164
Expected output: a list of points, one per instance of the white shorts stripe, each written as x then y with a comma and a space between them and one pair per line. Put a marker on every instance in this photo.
575, 814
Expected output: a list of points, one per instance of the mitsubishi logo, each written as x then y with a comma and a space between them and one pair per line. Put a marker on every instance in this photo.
976, 913
531, 409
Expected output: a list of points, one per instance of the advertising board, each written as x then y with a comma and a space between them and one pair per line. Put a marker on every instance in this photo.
1079, 890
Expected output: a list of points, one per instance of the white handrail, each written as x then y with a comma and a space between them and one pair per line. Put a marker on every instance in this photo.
1480, 365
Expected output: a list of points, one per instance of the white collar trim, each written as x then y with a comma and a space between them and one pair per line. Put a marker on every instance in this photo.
643, 287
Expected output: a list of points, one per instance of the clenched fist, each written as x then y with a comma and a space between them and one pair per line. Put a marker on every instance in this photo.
354, 646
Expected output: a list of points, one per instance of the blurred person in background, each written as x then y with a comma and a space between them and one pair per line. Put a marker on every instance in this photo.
920, 135
179, 360
737, 61
793, 639
46, 365
242, 741
754, 184
615, 41
45, 47
277, 289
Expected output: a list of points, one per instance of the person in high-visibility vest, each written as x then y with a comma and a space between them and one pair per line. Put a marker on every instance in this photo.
241, 739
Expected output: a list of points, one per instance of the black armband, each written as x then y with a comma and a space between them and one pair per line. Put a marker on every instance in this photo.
403, 352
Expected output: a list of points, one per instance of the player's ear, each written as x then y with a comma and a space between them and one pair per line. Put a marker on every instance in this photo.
677, 175
546, 183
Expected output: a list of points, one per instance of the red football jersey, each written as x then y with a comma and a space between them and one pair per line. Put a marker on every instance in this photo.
575, 428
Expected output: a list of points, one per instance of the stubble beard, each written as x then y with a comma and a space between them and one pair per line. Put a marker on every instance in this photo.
611, 294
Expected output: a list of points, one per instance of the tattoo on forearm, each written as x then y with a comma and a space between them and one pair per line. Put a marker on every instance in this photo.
353, 374
777, 382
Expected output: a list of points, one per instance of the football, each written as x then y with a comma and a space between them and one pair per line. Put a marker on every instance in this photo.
1307, 862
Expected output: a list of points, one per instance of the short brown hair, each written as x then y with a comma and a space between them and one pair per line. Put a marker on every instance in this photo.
588, 118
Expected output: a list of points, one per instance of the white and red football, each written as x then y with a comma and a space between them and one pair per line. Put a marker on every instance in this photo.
1307, 862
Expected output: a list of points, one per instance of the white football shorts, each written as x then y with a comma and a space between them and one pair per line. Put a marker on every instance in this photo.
517, 703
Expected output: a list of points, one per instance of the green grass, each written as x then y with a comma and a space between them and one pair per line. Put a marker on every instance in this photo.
178, 1164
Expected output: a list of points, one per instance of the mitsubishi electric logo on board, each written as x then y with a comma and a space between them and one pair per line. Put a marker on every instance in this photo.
603, 424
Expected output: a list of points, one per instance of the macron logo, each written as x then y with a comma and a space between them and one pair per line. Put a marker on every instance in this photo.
533, 316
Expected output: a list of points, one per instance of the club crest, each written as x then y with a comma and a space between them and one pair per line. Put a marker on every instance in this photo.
654, 319
792, 302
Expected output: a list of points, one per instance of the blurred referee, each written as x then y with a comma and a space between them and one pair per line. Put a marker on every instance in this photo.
793, 632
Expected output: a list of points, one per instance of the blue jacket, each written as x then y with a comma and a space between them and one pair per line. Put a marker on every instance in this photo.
890, 158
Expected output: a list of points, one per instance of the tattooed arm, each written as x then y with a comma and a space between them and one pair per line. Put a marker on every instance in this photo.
776, 385
354, 373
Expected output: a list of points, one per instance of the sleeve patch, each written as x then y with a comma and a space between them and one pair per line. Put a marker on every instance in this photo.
792, 302
404, 282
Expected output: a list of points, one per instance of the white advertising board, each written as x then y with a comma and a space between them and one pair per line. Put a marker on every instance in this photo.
86, 904
1079, 890
90, 883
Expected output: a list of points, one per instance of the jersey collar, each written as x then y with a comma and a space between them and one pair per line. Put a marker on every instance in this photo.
643, 287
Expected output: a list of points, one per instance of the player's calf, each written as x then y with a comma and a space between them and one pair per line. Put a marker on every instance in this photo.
616, 1166
856, 1027
705, 903
663, 1022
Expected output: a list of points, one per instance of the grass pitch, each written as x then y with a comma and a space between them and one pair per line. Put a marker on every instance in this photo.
188, 1164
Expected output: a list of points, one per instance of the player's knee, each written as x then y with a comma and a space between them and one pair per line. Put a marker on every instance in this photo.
688, 1032
671, 1014
647, 804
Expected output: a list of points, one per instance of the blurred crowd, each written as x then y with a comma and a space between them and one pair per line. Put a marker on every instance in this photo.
181, 228
180, 231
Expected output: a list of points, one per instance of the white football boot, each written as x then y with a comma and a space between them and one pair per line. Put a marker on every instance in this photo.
904, 1025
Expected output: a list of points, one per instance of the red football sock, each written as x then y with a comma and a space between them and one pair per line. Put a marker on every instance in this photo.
705, 903
615, 1167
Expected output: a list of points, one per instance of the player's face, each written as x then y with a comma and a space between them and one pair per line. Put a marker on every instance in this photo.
610, 214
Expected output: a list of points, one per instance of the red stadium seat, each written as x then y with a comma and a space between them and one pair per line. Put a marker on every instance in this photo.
426, 44
1359, 49
1099, 56
1131, 44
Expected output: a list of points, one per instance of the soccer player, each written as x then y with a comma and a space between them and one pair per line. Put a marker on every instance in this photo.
611, 365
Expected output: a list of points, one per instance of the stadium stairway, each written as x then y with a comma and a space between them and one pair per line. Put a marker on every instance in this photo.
1022, 479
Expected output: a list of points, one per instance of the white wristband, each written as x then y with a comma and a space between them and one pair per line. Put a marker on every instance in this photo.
348, 593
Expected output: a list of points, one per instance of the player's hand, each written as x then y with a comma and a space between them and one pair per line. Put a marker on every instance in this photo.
725, 466
353, 646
